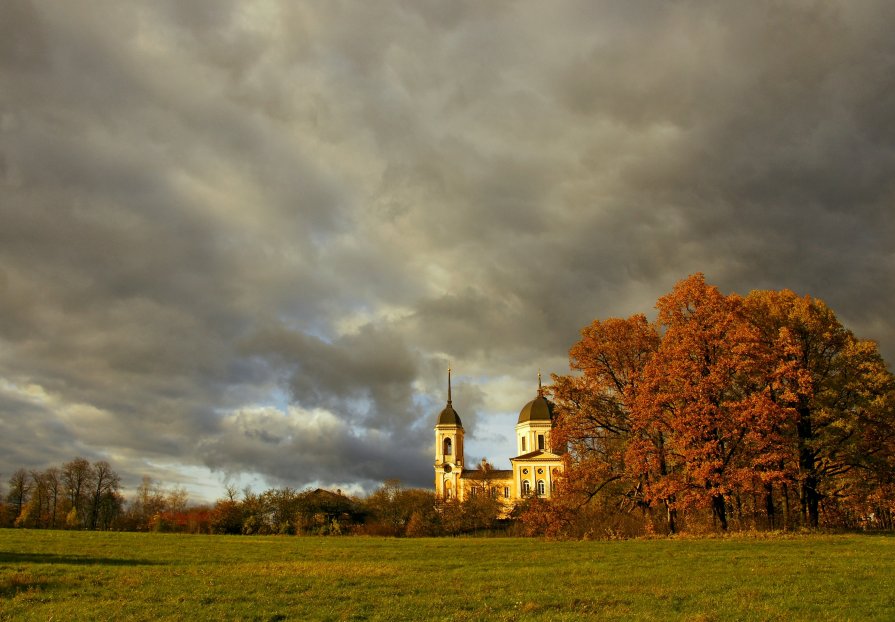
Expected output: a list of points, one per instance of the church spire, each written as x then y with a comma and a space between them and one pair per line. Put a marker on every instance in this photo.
540, 389
449, 386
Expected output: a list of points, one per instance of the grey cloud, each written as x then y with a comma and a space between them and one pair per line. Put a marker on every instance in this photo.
296, 447
22, 39
250, 238
365, 376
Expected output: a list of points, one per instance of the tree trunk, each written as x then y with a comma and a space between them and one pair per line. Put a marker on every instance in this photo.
811, 501
769, 505
808, 495
786, 518
671, 514
719, 510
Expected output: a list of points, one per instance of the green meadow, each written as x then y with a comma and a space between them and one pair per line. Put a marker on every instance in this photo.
64, 575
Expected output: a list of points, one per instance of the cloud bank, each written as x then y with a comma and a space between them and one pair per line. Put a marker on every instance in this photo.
247, 240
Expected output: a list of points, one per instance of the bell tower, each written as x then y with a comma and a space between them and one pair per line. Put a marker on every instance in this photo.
448, 450
535, 423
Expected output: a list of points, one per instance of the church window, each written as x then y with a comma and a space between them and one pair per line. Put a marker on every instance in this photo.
540, 441
523, 443
447, 490
526, 487
447, 447
541, 488
473, 491
506, 492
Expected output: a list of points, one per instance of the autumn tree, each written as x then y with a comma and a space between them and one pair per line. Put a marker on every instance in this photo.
148, 502
594, 415
394, 510
725, 404
838, 391
386, 507
253, 512
226, 517
177, 500
281, 508
35, 513
480, 511
705, 392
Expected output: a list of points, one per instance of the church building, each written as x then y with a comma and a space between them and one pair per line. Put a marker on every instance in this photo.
533, 471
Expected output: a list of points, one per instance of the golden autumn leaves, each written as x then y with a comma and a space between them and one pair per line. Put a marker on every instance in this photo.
764, 410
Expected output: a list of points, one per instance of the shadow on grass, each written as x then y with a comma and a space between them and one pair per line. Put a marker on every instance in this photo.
77, 560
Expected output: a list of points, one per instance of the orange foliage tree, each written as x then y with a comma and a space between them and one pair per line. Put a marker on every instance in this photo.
705, 398
724, 404
838, 393
594, 419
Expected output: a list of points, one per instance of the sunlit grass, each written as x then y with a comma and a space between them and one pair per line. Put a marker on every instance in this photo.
88, 576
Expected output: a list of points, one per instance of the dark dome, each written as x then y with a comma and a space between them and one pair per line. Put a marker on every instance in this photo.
449, 416
539, 409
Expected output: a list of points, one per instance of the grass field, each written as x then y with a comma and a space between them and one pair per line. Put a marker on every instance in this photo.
46, 575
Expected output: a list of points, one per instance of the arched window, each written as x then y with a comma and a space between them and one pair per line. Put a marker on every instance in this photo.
541, 488
540, 441
523, 443
526, 488
447, 447
447, 490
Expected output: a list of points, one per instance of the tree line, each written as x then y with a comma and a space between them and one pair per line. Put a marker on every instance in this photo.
81, 495
391, 510
77, 495
756, 412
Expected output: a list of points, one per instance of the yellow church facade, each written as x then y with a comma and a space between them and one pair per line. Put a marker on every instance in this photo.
534, 471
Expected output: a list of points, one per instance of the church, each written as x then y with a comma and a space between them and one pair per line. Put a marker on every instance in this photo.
533, 471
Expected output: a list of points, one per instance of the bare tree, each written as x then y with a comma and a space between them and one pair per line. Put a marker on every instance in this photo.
148, 502
176, 500
53, 485
105, 487
19, 489
36, 511
77, 477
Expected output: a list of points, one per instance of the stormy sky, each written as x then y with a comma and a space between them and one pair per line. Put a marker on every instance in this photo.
242, 242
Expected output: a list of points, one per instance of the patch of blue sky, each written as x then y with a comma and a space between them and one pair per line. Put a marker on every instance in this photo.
278, 398
494, 439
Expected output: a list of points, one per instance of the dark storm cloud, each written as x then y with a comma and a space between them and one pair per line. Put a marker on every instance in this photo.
365, 376
312, 446
251, 237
